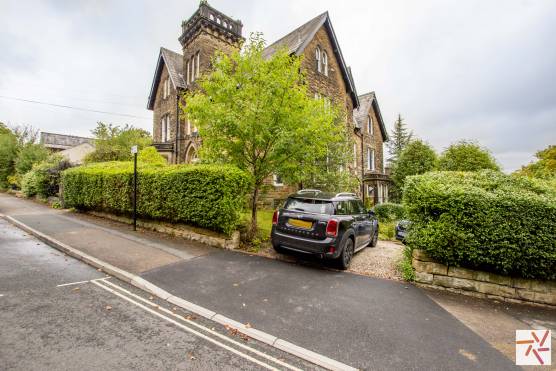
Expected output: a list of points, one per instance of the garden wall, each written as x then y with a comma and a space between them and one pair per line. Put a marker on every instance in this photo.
430, 273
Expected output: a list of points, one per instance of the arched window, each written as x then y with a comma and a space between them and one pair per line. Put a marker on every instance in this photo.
317, 57
370, 125
325, 63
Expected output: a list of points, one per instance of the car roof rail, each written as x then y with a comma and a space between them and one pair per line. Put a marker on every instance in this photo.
350, 194
309, 191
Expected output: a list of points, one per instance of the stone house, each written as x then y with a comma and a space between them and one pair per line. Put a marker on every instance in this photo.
328, 76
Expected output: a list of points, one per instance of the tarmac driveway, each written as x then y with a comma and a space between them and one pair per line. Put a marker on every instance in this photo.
364, 322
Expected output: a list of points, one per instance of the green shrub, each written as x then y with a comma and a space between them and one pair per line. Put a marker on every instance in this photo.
389, 212
484, 220
209, 196
404, 265
43, 179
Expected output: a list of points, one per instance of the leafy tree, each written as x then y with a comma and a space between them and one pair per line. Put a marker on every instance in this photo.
416, 158
4, 129
256, 113
399, 139
8, 154
113, 143
544, 167
28, 155
466, 156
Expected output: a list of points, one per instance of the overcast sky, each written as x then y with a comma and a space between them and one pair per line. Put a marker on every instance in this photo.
479, 70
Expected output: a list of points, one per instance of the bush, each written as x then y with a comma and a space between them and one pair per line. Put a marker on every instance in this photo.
209, 196
44, 178
389, 212
484, 220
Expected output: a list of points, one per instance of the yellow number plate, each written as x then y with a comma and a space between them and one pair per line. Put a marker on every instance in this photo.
300, 223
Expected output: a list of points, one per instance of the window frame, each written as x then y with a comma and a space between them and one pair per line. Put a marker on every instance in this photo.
277, 180
324, 63
318, 54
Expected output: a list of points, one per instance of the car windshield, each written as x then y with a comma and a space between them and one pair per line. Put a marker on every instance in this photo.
311, 206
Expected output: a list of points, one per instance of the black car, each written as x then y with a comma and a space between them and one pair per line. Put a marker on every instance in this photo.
401, 230
328, 225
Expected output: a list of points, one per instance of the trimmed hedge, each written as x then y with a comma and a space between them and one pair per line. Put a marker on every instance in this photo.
484, 220
209, 196
389, 212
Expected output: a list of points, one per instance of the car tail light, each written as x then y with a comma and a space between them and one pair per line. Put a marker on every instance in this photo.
331, 250
275, 217
332, 228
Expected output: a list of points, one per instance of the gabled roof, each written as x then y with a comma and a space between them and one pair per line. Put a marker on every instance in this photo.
368, 101
297, 40
174, 63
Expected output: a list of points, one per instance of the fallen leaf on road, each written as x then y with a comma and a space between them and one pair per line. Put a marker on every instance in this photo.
108, 307
265, 300
151, 297
236, 284
248, 325
243, 304
174, 309
76, 289
190, 317
244, 337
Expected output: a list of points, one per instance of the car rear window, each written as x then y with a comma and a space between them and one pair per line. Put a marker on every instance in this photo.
311, 206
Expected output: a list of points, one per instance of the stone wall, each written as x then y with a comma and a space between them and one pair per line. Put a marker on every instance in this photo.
429, 273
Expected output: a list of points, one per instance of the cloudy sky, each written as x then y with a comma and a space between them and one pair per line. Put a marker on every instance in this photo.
480, 70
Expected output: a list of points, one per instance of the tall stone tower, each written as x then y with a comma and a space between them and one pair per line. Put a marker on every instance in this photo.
207, 31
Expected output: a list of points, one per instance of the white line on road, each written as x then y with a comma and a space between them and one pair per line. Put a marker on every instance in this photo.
224, 346
255, 351
81, 282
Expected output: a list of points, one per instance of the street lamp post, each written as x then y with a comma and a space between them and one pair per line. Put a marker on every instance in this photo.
134, 152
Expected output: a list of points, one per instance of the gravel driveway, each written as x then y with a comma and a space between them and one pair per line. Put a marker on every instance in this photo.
379, 261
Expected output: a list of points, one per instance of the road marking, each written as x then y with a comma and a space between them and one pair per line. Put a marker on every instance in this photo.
224, 346
80, 282
215, 333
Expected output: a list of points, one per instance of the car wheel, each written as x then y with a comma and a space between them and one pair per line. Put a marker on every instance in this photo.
347, 253
278, 249
374, 240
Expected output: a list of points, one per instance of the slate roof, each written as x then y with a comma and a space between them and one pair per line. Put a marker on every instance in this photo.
174, 63
63, 141
297, 40
368, 101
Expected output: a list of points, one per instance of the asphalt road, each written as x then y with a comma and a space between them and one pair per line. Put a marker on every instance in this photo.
57, 313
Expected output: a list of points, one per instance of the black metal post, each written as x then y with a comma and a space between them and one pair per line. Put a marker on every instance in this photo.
135, 191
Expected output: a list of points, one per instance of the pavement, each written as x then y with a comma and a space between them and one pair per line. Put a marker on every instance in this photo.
362, 322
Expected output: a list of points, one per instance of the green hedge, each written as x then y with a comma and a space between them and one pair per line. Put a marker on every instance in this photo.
484, 220
208, 196
389, 212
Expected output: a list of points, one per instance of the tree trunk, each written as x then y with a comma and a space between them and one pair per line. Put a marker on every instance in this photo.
255, 198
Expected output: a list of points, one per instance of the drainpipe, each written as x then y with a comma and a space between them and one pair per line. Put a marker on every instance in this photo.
362, 167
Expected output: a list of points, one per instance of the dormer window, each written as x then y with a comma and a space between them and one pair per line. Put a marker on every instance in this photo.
325, 63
